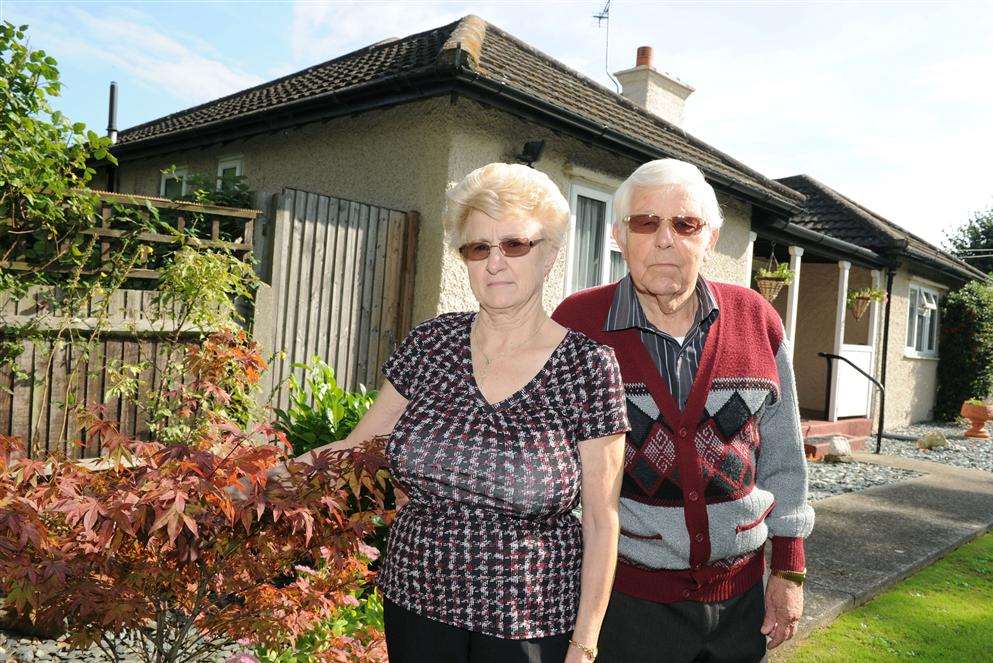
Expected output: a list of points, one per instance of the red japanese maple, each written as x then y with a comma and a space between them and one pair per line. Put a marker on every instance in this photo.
157, 552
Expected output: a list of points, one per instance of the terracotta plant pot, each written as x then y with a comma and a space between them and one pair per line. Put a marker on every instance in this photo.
978, 415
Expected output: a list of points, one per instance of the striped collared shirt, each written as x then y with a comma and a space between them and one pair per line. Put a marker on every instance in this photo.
676, 362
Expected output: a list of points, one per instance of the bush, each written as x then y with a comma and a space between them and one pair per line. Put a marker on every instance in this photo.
155, 554
320, 411
966, 367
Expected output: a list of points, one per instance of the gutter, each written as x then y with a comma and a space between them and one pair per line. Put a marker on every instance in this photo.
812, 238
944, 268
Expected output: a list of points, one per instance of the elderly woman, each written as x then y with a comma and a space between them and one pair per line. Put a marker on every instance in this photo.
501, 423
714, 463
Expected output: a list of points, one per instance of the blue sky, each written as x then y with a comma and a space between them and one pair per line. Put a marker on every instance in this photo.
890, 103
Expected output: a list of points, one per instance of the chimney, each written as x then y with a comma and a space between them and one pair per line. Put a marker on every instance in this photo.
112, 114
657, 92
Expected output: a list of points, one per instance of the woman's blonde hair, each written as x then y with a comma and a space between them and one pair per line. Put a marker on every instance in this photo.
506, 191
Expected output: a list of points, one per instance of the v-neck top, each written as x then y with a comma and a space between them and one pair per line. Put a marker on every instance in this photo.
489, 541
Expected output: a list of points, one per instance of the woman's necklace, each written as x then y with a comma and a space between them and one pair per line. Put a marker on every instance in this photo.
489, 360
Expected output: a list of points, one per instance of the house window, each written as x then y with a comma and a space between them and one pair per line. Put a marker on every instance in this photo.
594, 257
173, 184
229, 168
922, 322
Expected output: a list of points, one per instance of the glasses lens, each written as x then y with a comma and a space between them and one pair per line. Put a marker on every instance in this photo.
686, 225
644, 223
515, 248
475, 250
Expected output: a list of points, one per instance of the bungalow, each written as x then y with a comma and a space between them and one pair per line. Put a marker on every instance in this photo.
393, 123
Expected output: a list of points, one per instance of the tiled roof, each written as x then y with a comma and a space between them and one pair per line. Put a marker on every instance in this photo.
836, 215
355, 68
495, 56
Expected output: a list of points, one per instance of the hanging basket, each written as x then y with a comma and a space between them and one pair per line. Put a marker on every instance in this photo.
770, 281
860, 306
769, 287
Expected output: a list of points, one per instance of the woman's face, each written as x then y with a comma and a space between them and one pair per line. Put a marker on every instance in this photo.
499, 282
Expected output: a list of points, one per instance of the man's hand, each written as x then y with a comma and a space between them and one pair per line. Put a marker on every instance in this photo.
783, 608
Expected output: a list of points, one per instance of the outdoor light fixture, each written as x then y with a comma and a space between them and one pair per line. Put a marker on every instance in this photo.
532, 152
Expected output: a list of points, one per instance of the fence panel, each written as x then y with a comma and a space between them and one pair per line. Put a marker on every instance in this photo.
342, 285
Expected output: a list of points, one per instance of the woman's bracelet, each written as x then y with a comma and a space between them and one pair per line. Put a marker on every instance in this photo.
589, 652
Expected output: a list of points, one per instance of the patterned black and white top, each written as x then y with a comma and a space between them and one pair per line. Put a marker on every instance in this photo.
488, 541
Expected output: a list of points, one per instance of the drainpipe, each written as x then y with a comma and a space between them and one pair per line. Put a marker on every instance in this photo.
890, 274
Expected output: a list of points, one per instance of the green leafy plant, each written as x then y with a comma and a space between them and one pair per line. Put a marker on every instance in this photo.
870, 293
781, 272
320, 411
358, 621
966, 367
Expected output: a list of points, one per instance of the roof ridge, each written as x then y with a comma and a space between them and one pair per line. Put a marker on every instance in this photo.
468, 36
269, 83
665, 124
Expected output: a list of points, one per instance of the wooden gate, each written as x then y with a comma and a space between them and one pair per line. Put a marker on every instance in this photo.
342, 281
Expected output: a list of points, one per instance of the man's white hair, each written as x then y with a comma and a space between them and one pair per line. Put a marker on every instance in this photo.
664, 172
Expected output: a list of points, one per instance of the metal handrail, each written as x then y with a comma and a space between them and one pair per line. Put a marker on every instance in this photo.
882, 391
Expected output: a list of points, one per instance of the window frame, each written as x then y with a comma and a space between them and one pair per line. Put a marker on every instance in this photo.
181, 174
919, 294
236, 160
609, 245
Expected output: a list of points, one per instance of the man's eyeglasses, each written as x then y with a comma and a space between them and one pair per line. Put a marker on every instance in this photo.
514, 247
649, 223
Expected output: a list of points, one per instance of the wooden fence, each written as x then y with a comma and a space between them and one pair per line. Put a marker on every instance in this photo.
135, 332
342, 281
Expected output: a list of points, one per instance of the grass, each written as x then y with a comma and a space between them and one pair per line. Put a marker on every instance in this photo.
942, 613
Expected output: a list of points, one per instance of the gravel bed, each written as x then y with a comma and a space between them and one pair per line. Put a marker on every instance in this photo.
16, 649
827, 479
961, 451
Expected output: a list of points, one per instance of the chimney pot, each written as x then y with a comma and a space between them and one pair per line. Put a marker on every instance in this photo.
644, 56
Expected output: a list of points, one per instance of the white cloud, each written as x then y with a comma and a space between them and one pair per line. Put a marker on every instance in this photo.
181, 65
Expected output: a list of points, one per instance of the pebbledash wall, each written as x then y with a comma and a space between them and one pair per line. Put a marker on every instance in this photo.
911, 381
404, 157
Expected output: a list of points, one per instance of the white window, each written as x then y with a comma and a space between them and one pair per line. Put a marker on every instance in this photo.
594, 257
922, 322
173, 184
228, 168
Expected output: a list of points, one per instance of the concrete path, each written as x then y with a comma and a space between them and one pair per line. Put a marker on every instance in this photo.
864, 543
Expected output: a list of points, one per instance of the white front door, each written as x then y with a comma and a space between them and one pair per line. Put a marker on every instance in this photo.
853, 391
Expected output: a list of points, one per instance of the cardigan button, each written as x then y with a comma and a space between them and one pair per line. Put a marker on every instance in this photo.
682, 432
694, 496
686, 593
699, 537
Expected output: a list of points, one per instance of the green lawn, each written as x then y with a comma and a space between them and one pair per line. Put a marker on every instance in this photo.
943, 613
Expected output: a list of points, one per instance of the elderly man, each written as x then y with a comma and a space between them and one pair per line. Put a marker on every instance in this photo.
714, 461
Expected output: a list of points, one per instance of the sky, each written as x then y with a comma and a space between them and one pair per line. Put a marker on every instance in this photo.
890, 103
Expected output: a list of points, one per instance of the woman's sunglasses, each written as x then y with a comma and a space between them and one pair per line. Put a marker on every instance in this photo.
649, 223
512, 248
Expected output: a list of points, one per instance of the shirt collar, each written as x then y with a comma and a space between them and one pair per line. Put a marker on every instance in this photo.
626, 312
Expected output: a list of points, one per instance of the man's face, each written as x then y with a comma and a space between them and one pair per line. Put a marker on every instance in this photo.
665, 263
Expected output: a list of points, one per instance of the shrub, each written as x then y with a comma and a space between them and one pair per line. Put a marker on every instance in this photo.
154, 554
966, 367
320, 411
